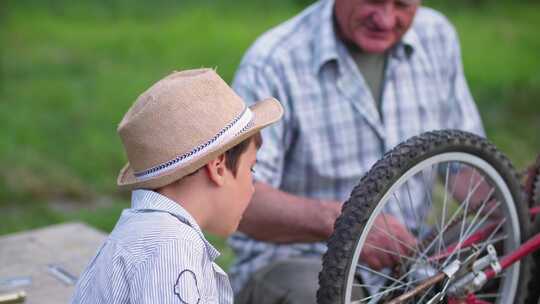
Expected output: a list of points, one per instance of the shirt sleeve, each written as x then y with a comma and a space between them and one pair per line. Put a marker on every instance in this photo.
172, 274
463, 111
253, 84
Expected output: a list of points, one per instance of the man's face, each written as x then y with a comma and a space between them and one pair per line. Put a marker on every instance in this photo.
374, 26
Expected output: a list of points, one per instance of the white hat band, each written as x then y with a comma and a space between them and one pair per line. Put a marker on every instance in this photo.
239, 125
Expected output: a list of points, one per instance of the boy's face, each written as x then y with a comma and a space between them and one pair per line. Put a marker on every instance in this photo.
238, 191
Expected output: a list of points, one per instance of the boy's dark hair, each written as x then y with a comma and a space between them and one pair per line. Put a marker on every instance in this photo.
232, 156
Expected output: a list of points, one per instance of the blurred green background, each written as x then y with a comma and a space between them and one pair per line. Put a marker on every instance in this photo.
70, 69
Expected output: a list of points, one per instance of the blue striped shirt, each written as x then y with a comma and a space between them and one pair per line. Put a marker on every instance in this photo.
332, 131
156, 254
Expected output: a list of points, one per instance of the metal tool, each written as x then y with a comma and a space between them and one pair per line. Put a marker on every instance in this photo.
61, 274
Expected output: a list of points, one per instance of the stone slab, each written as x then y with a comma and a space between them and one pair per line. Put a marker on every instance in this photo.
29, 255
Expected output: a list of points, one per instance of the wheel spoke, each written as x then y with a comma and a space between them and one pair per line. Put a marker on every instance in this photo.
387, 290
454, 215
378, 273
428, 189
467, 201
460, 243
472, 227
487, 296
398, 202
391, 252
394, 239
426, 293
445, 201
397, 240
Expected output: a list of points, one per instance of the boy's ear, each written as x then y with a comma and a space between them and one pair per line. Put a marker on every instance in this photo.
216, 170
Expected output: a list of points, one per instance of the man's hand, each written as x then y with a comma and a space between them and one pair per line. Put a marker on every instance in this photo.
387, 241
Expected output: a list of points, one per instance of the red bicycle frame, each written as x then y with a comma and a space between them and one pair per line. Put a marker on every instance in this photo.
491, 270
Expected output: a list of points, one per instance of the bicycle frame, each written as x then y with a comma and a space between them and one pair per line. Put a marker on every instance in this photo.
481, 277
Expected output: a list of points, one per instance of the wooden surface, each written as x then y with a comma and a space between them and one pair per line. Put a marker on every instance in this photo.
25, 260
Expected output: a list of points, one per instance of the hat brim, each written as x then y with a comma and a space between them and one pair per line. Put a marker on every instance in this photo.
265, 112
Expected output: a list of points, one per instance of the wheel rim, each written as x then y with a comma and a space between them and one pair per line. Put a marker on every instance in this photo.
512, 235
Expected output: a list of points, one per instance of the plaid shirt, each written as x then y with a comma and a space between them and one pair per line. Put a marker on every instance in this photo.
332, 132
156, 254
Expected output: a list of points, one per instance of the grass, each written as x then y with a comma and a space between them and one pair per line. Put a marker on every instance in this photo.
70, 69
74, 70
500, 54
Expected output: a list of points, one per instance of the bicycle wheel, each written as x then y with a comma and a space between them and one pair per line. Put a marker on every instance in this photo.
533, 296
457, 195
533, 290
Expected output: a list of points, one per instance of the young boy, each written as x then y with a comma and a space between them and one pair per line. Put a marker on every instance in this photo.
191, 143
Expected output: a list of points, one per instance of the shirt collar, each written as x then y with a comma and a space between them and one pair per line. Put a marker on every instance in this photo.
327, 40
409, 44
153, 201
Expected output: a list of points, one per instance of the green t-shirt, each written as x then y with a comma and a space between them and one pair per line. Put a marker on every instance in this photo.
372, 67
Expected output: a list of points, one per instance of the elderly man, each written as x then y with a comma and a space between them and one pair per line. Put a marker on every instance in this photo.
356, 77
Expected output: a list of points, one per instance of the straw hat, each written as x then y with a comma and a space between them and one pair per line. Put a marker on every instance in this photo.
181, 123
